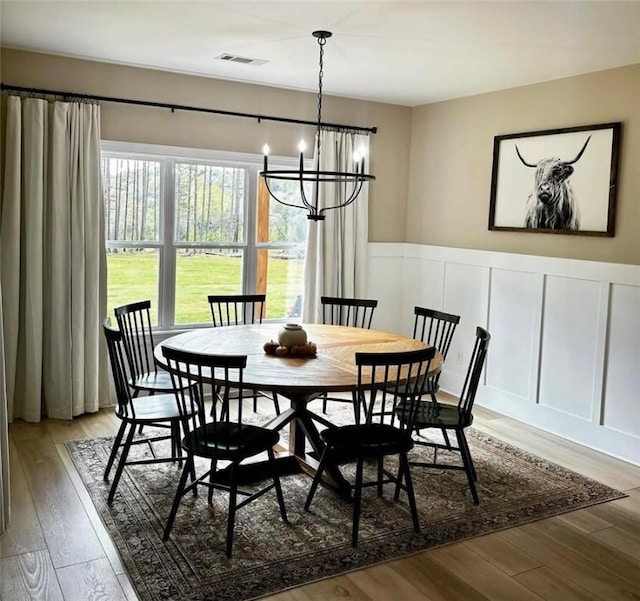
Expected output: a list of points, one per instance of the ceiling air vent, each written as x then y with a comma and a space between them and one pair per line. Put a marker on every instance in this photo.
244, 60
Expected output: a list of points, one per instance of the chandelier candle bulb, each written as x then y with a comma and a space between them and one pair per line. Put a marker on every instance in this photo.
265, 152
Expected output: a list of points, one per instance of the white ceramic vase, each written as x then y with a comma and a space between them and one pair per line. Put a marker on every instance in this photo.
292, 334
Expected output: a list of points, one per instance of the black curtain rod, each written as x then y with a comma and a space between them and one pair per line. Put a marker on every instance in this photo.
181, 107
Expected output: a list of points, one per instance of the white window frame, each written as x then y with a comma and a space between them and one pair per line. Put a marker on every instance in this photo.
168, 156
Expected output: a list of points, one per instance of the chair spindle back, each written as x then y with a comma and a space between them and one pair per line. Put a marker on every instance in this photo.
395, 382
235, 309
354, 312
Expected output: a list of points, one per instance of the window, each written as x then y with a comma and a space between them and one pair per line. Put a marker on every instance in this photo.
181, 224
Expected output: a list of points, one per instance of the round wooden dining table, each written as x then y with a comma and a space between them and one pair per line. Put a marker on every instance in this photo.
300, 380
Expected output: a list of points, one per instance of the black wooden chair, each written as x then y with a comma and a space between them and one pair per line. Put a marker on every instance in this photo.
435, 328
134, 322
220, 435
382, 431
236, 309
355, 312
455, 417
161, 409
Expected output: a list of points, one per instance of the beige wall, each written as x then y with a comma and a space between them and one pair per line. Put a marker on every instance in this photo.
451, 158
439, 155
389, 148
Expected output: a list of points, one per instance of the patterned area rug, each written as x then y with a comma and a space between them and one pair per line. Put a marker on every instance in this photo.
270, 556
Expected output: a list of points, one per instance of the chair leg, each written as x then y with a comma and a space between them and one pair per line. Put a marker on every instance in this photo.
213, 467
135, 394
121, 463
446, 439
404, 461
255, 401
380, 474
357, 409
276, 402
324, 403
276, 482
114, 449
231, 519
473, 467
466, 459
357, 501
316, 479
188, 466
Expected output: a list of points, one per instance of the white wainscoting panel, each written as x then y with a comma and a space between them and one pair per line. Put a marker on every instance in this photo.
514, 310
569, 336
466, 289
385, 281
423, 288
623, 361
565, 349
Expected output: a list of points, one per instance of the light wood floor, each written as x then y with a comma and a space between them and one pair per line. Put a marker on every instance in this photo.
56, 547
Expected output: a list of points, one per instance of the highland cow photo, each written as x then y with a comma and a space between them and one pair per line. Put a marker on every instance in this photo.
556, 181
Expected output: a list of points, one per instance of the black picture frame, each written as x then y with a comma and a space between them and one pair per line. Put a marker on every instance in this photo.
556, 181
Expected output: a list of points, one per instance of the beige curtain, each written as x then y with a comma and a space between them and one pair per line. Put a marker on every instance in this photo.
4, 437
53, 268
336, 256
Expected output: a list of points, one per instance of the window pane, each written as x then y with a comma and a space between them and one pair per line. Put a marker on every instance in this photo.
132, 276
203, 272
132, 199
286, 224
284, 282
209, 203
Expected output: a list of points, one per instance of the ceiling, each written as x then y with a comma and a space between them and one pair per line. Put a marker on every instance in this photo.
407, 53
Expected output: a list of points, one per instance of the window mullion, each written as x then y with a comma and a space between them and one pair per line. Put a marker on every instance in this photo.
250, 253
167, 283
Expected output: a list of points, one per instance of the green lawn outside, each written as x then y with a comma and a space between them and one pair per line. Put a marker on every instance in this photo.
134, 276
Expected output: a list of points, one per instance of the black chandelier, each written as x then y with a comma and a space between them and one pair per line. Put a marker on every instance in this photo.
354, 178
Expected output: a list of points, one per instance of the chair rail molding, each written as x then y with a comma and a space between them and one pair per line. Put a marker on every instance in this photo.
565, 350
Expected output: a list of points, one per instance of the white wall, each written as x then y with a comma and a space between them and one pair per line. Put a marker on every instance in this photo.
565, 347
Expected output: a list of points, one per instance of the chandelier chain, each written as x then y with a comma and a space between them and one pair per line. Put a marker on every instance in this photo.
321, 42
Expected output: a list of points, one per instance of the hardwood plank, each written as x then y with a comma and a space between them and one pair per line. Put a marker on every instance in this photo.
101, 532
624, 513
97, 425
553, 587
434, 580
620, 540
127, 587
21, 430
333, 589
90, 581
62, 430
291, 595
481, 574
502, 555
625, 569
23, 534
573, 564
29, 577
608, 470
382, 582
67, 529
585, 521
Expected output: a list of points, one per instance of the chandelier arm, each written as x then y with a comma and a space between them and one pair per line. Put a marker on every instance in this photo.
303, 197
282, 202
354, 194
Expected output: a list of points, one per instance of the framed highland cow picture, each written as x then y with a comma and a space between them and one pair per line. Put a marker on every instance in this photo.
558, 181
